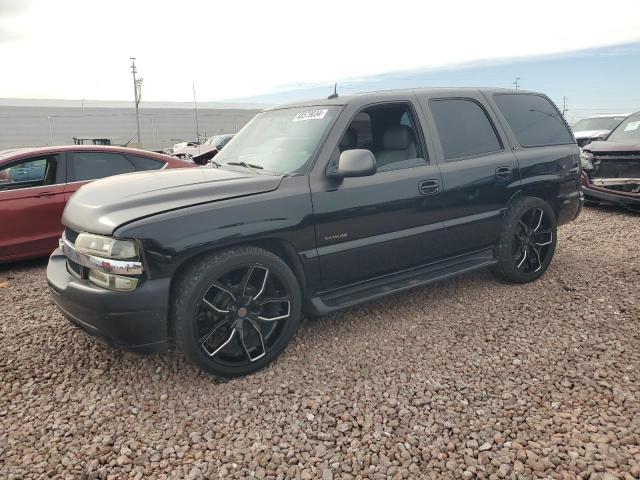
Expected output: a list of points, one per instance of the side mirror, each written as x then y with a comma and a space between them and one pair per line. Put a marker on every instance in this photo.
355, 163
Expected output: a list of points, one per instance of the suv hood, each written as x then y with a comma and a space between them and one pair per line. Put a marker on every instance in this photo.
102, 206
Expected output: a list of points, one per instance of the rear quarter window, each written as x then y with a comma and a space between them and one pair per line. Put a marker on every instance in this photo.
534, 120
145, 163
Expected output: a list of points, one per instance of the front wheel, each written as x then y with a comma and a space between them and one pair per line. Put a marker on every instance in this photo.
528, 241
236, 310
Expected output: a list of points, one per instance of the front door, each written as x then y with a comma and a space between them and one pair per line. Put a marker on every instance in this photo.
479, 170
31, 205
375, 225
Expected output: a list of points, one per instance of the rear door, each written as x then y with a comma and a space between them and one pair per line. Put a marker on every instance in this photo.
371, 226
31, 204
480, 173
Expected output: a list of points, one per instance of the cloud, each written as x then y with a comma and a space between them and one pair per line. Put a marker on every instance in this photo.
242, 48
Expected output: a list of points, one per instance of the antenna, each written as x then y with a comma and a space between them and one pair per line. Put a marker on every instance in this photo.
335, 92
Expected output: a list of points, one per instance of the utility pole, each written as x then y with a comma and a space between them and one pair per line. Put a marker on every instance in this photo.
50, 130
516, 83
195, 110
564, 106
137, 94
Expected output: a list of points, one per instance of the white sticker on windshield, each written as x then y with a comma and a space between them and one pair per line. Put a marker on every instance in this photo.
632, 126
311, 115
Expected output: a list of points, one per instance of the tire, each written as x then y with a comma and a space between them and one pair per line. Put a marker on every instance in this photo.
234, 311
528, 241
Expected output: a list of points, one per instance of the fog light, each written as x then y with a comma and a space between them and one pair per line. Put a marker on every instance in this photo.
113, 282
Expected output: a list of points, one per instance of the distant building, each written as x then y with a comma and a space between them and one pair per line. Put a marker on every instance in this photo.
29, 123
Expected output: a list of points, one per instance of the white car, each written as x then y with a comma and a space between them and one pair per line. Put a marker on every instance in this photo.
597, 127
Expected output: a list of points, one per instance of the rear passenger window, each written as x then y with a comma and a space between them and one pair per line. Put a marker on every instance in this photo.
464, 128
93, 165
144, 163
533, 119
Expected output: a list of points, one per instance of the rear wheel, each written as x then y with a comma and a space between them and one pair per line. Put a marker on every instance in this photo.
528, 241
235, 311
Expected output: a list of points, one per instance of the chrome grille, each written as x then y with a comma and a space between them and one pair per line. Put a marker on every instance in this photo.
71, 235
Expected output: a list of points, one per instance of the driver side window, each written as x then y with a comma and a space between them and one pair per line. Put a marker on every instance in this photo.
31, 172
390, 132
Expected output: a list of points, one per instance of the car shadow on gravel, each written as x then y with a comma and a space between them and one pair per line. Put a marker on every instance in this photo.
22, 265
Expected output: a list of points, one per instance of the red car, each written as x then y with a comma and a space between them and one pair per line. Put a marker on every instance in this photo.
35, 184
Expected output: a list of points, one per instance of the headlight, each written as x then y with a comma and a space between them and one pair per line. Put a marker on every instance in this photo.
106, 246
586, 159
113, 282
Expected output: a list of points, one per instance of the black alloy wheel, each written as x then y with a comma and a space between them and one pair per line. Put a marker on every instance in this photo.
533, 239
242, 314
234, 311
527, 242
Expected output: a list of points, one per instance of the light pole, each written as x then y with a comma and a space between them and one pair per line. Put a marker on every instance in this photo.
195, 109
50, 130
137, 90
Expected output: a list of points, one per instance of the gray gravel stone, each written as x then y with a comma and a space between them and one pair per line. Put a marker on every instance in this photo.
412, 386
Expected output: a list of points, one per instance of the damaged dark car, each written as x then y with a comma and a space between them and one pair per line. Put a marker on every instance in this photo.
611, 168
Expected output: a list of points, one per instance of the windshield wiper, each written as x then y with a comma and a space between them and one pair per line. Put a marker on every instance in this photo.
244, 164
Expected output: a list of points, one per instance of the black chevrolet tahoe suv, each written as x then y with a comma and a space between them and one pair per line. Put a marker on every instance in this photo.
314, 207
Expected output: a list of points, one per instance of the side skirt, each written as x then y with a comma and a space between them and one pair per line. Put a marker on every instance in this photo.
331, 301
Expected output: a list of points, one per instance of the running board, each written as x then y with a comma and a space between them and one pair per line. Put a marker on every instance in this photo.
349, 296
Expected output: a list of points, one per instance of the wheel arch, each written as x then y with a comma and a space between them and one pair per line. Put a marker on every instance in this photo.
545, 191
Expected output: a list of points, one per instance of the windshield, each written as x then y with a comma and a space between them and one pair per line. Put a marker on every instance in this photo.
627, 130
280, 140
598, 123
214, 140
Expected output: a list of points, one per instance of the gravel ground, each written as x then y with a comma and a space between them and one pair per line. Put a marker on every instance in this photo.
468, 378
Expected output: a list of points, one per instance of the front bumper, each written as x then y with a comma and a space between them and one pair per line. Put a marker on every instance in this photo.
602, 195
135, 320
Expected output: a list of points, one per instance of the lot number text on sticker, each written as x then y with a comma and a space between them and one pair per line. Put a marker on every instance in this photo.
310, 115
632, 126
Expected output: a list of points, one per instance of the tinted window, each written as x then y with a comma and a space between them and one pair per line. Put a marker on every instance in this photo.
464, 128
32, 172
92, 165
534, 120
145, 163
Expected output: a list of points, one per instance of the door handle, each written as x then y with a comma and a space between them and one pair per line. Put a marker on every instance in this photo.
429, 187
504, 173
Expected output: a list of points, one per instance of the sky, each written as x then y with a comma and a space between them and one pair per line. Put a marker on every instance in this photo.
582, 83
74, 49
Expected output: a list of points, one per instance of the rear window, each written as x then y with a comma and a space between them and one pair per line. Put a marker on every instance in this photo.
464, 128
145, 163
534, 120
